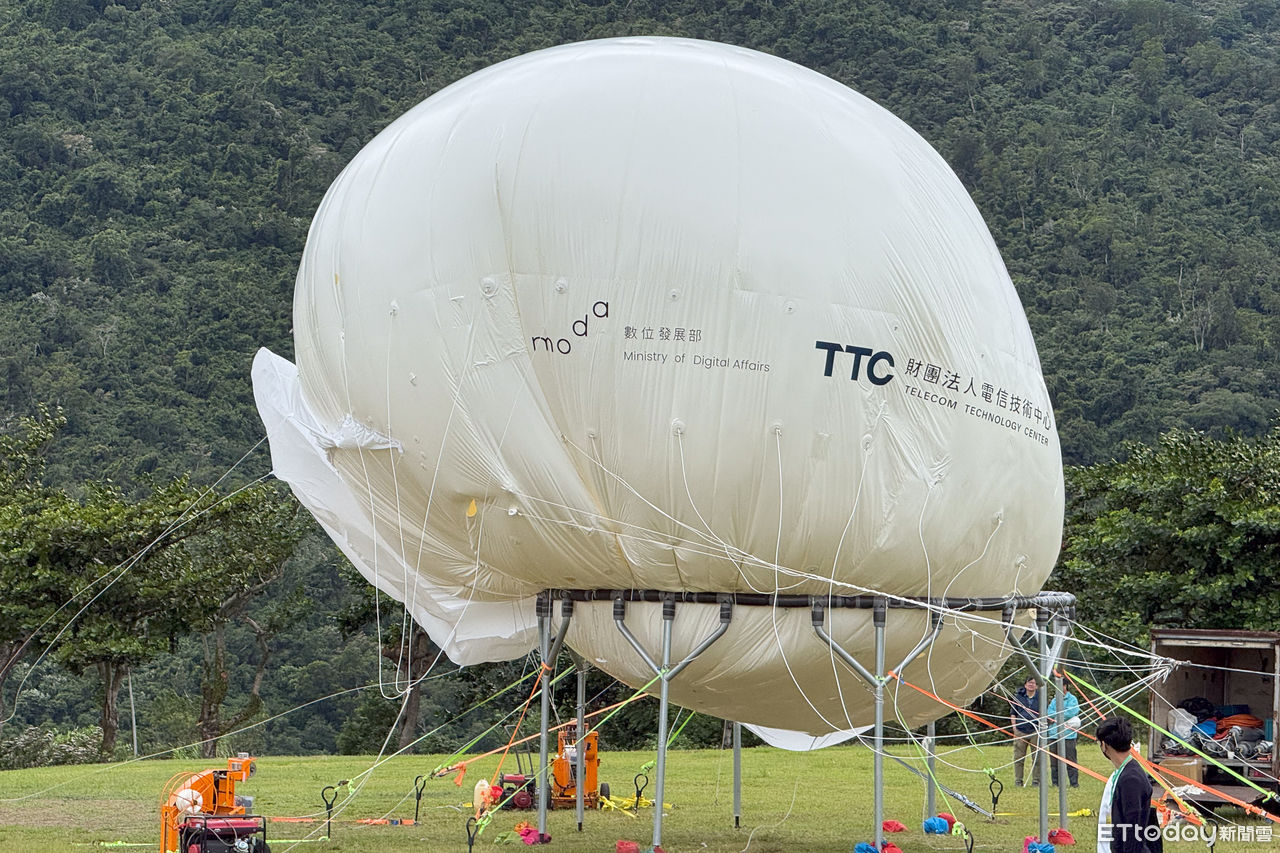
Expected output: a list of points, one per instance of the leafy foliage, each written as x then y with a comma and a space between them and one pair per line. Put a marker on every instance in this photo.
1185, 532
45, 746
106, 583
159, 164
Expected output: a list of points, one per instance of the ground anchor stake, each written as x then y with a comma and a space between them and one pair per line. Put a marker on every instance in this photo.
418, 785
330, 796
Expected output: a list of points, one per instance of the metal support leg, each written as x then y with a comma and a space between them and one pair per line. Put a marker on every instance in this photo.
878, 615
668, 616
1060, 751
580, 762
1042, 731
544, 650
931, 795
737, 775
549, 650
1060, 628
666, 672
877, 681
1043, 670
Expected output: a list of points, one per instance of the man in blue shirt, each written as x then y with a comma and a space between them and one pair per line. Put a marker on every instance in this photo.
1071, 722
1024, 711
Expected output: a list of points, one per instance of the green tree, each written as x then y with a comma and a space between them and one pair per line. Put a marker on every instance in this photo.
105, 582
234, 564
146, 572
29, 592
1184, 532
406, 646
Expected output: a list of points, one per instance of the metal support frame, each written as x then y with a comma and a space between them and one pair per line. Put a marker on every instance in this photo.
580, 665
877, 679
737, 775
1050, 653
549, 649
666, 672
931, 794
1060, 749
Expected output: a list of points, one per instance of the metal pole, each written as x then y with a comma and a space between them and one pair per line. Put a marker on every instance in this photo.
931, 804
1060, 747
133, 715
668, 616
1060, 628
737, 775
582, 734
544, 648
879, 613
1042, 731
880, 608
1043, 671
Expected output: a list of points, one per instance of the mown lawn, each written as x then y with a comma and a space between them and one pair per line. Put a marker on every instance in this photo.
818, 801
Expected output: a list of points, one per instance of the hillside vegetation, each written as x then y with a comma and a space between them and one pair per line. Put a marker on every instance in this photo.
160, 162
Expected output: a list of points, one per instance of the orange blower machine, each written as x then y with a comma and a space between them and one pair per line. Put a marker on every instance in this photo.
200, 812
564, 771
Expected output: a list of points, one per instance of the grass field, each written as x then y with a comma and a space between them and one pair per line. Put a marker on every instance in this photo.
818, 801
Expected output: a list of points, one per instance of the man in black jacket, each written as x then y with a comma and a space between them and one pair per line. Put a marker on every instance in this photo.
1024, 716
1127, 822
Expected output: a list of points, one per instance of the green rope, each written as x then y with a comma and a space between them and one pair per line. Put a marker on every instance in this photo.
928, 774
463, 750
483, 822
1270, 795
677, 732
630, 699
990, 771
933, 778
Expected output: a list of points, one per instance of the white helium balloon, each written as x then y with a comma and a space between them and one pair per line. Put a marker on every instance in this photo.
671, 315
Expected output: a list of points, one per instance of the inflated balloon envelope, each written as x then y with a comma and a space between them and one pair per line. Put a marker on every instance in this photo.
658, 314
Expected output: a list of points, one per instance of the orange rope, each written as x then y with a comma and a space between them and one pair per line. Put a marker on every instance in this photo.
1190, 815
1156, 769
993, 726
542, 674
462, 765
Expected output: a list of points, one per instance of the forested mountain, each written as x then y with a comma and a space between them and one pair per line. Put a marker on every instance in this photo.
160, 161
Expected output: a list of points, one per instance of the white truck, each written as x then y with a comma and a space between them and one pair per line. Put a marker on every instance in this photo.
1238, 673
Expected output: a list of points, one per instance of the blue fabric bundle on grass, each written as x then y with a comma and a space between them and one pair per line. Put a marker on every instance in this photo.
936, 826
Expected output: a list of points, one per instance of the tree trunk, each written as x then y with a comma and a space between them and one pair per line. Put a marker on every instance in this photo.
7, 660
11, 653
111, 674
216, 683
254, 705
213, 689
410, 668
409, 716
